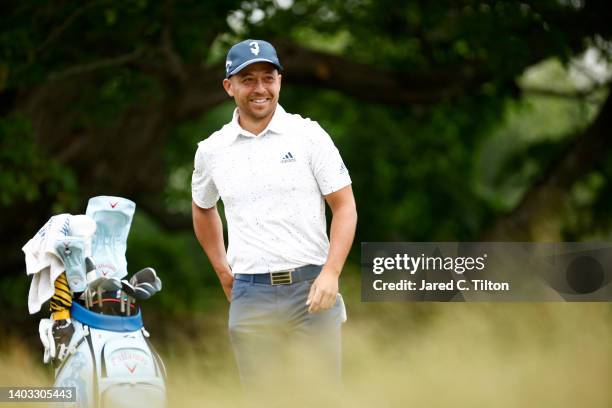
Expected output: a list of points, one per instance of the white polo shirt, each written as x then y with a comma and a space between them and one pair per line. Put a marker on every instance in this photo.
272, 186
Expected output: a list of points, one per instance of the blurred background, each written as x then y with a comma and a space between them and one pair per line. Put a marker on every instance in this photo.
458, 121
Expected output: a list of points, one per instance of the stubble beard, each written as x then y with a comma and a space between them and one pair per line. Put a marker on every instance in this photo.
256, 115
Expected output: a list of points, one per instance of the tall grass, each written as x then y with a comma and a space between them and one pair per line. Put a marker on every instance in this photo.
429, 355
407, 354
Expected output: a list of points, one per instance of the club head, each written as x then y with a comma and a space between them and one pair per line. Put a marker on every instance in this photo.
90, 265
128, 288
144, 275
110, 285
95, 283
146, 283
144, 291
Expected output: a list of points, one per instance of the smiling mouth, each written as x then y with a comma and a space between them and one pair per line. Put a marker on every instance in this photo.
260, 101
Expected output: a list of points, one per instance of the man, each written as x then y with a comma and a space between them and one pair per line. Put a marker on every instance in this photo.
274, 171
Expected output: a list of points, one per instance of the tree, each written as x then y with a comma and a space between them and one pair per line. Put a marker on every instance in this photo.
93, 95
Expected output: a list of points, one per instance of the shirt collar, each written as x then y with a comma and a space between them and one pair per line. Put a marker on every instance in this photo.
276, 125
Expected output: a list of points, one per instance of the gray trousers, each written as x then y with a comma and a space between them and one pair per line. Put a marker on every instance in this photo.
277, 343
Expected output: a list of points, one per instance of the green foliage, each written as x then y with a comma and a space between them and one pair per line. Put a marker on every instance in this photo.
439, 172
39, 42
533, 133
420, 35
406, 168
26, 173
189, 283
180, 151
99, 104
15, 294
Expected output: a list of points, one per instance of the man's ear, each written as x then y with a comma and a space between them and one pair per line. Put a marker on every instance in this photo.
227, 85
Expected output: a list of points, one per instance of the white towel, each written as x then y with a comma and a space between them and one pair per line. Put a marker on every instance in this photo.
43, 262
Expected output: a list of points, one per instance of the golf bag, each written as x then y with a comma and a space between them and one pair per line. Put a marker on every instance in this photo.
112, 363
109, 358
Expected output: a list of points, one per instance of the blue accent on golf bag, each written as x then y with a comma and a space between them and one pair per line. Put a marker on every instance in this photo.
106, 322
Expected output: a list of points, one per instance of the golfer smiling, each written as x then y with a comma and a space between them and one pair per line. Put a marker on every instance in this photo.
274, 171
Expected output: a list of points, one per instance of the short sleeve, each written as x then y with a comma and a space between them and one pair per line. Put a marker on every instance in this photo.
203, 189
327, 165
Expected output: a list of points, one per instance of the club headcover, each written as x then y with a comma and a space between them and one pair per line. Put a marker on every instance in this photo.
83, 226
113, 217
71, 252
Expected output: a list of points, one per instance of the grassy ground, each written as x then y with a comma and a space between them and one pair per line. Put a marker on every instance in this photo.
405, 354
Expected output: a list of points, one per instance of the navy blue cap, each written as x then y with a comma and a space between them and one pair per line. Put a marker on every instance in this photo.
248, 52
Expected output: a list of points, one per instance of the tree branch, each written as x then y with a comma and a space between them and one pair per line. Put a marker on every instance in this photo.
365, 82
167, 48
174, 60
586, 94
369, 83
62, 27
536, 215
94, 66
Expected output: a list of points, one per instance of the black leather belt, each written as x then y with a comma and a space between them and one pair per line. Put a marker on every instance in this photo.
286, 277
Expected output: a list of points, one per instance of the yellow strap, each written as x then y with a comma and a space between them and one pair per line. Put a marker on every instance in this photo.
62, 299
61, 315
63, 295
62, 278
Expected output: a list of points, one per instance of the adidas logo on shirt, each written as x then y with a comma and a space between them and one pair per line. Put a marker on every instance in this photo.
287, 158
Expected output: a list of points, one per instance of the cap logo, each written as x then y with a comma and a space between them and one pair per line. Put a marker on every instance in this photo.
254, 47
228, 64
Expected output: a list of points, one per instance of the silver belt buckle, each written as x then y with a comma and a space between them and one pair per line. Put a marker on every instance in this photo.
281, 277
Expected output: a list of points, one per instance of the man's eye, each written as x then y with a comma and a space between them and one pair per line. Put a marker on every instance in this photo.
247, 80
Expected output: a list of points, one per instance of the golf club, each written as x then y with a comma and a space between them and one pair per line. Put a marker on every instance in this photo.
129, 290
145, 283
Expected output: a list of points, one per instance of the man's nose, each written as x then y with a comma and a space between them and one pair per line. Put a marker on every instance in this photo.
259, 86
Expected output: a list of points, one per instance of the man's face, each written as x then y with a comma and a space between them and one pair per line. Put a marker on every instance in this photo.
255, 90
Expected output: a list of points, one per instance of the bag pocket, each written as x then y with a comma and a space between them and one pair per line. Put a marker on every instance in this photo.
130, 375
